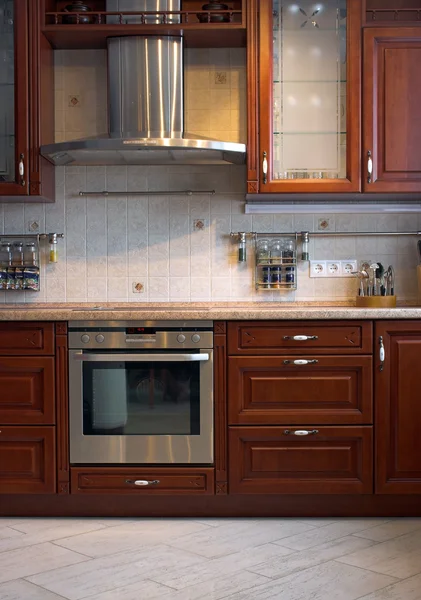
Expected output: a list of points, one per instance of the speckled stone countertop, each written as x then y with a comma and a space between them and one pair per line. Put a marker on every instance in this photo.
201, 310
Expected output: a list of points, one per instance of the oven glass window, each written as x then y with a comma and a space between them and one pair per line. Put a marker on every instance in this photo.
141, 398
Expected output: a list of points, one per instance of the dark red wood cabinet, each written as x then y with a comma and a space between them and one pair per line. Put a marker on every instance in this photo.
27, 106
398, 407
391, 101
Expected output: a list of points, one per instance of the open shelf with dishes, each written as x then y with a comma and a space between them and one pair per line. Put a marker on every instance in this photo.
80, 24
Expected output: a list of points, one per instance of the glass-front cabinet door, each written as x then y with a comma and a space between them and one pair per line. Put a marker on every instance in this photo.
13, 97
309, 103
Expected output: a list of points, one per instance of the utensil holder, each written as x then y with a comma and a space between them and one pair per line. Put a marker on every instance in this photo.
377, 301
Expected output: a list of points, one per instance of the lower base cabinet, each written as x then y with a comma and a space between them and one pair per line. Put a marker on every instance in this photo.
300, 460
142, 481
27, 460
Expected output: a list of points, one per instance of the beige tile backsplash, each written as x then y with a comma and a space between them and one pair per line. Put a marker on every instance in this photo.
114, 243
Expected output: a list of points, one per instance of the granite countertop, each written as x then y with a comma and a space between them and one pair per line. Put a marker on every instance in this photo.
214, 311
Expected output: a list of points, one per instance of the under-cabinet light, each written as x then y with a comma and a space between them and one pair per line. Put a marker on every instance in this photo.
260, 208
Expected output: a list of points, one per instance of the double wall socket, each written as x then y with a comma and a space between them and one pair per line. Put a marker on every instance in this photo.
332, 268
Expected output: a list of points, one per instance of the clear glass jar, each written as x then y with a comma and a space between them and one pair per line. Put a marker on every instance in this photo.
18, 253
276, 251
31, 255
6, 254
263, 251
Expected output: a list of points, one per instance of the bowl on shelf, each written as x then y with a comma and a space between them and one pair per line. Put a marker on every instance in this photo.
214, 18
77, 6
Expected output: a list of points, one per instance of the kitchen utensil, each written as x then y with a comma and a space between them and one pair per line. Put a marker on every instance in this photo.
372, 281
419, 251
380, 288
77, 6
392, 280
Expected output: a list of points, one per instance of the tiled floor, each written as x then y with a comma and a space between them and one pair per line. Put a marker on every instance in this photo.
190, 559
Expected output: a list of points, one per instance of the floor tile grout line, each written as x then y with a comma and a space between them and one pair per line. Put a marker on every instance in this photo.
41, 587
376, 572
382, 588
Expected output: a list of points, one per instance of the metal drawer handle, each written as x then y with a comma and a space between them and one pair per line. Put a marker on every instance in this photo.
382, 353
369, 166
301, 362
265, 167
301, 338
301, 432
142, 482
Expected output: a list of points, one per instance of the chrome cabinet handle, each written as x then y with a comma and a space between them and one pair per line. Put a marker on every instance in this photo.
301, 362
382, 353
22, 170
301, 432
301, 338
265, 167
369, 166
142, 482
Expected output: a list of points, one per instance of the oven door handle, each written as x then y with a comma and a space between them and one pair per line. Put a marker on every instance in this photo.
80, 355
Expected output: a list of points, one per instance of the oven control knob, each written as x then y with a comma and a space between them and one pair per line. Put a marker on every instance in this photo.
181, 338
195, 338
85, 338
100, 338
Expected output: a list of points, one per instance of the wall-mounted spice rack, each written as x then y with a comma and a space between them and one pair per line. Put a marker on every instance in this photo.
20, 259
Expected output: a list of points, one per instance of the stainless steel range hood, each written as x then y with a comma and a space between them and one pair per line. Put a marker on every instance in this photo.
146, 113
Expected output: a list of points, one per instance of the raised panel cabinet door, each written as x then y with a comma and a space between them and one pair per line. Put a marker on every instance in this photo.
26, 338
14, 106
27, 395
310, 389
300, 337
309, 96
27, 460
398, 407
391, 109
300, 460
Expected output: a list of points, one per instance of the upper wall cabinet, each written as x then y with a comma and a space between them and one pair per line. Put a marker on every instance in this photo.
391, 101
309, 96
26, 110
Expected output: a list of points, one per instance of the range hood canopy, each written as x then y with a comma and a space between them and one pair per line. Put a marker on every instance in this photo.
146, 113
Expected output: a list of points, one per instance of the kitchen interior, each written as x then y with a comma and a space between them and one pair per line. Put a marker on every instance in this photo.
210, 298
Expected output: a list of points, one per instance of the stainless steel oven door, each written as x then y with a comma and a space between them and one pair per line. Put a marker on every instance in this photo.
141, 407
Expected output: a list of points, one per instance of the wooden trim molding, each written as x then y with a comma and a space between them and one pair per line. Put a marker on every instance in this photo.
252, 98
220, 391
62, 408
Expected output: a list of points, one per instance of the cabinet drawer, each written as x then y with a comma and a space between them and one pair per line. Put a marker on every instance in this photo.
318, 337
26, 338
272, 460
27, 390
332, 390
104, 480
27, 460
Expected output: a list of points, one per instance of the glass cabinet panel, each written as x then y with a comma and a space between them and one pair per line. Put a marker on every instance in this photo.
309, 103
7, 92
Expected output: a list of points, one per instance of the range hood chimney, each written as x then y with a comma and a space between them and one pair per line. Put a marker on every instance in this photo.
146, 113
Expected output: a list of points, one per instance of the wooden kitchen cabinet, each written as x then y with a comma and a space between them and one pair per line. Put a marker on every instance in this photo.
309, 84
27, 460
273, 390
26, 107
391, 101
398, 407
274, 460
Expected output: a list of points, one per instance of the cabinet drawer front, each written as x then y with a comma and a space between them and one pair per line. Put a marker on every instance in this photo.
27, 395
27, 460
272, 460
332, 390
104, 480
318, 337
26, 338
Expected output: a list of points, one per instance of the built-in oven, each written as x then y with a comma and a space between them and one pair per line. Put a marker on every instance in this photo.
141, 392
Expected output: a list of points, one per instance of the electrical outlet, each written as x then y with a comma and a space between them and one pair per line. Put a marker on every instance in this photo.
347, 267
317, 268
333, 268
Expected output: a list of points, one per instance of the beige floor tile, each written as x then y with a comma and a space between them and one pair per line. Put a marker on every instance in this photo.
35, 559
410, 589
321, 535
298, 561
399, 558
323, 582
219, 541
141, 590
23, 590
8, 532
109, 572
182, 578
390, 530
135, 534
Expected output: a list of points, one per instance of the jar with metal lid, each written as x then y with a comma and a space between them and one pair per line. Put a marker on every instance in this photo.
31, 255
18, 253
6, 254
